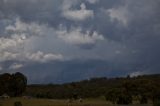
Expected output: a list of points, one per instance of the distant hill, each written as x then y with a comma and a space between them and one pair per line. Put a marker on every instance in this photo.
147, 85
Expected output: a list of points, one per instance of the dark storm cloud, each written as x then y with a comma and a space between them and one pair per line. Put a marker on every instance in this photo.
59, 71
126, 42
32, 10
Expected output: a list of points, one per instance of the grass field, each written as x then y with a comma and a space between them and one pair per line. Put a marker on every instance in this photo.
51, 102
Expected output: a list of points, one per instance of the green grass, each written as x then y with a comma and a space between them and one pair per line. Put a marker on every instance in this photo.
51, 102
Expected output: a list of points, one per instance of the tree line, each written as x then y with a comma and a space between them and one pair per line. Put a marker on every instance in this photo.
122, 90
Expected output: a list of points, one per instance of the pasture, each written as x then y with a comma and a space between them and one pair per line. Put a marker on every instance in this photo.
51, 102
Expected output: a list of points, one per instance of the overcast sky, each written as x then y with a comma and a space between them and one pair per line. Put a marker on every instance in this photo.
57, 41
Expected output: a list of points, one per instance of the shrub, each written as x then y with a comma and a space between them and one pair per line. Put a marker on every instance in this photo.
118, 96
112, 95
124, 99
156, 103
17, 103
143, 99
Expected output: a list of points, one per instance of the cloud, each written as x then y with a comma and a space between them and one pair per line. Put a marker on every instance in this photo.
25, 41
26, 29
77, 37
19, 35
7, 56
15, 66
78, 15
1, 68
122, 33
135, 74
22, 32
138, 73
34, 57
119, 14
42, 57
92, 1
14, 42
130, 11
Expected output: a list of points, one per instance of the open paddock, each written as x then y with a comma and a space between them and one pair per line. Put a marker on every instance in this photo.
52, 102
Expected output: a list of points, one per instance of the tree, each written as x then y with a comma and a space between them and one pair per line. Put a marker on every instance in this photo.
5, 80
119, 96
112, 95
13, 85
19, 83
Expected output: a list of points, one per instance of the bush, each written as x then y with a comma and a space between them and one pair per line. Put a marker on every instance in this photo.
112, 95
156, 103
124, 99
143, 100
17, 103
156, 98
118, 96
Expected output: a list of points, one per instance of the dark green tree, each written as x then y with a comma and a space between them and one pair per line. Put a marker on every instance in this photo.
5, 81
112, 95
19, 83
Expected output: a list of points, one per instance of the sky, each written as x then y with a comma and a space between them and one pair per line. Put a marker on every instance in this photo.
59, 41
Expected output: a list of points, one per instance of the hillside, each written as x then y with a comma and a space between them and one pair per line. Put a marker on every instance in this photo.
146, 87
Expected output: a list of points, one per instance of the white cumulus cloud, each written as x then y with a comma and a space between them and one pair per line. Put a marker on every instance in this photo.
75, 36
16, 66
92, 1
27, 29
119, 14
35, 57
12, 43
42, 57
137, 73
20, 33
78, 15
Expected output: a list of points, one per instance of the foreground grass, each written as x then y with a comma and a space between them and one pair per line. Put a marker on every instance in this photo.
51, 102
